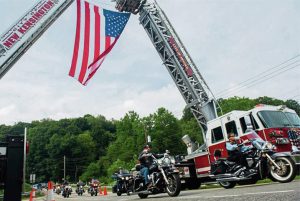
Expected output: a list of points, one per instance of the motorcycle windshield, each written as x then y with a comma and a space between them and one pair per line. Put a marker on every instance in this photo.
258, 143
253, 135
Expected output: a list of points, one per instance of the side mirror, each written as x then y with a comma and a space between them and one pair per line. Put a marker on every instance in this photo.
248, 123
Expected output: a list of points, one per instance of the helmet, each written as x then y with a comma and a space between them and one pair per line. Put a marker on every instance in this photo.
147, 146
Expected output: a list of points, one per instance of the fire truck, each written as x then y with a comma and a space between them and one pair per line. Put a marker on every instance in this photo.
278, 125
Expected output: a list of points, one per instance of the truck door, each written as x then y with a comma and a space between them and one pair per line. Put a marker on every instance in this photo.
217, 141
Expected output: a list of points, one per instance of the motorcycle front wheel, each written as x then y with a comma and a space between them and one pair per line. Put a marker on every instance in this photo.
173, 188
287, 171
227, 184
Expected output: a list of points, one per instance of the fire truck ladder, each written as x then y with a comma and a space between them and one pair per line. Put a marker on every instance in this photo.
34, 37
178, 62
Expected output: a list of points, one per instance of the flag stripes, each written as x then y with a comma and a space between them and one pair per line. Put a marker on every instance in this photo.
94, 39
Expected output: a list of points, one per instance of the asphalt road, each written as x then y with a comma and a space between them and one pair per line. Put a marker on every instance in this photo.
266, 192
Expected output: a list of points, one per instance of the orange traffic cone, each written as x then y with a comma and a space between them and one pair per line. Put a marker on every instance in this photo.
104, 191
32, 195
50, 195
100, 190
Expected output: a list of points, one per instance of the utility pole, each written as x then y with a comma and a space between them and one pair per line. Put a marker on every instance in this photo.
76, 172
64, 168
24, 161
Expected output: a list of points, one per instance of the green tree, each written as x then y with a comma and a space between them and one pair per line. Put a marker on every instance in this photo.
292, 104
236, 103
166, 132
190, 127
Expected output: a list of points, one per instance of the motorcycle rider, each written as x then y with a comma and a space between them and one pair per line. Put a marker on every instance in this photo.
79, 183
65, 188
235, 151
94, 185
146, 161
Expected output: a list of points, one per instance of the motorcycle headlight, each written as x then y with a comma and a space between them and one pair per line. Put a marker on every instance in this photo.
295, 149
122, 178
269, 145
167, 161
126, 178
282, 141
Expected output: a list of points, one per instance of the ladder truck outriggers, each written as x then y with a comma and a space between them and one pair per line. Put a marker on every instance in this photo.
279, 125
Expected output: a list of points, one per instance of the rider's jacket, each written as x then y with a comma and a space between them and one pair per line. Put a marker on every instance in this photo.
145, 159
232, 149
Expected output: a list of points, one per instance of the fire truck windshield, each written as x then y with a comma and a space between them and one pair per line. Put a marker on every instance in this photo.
273, 119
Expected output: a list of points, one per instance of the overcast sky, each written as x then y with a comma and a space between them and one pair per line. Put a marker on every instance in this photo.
229, 40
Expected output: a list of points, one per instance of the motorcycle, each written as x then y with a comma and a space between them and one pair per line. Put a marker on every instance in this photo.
80, 190
262, 162
93, 190
58, 190
163, 175
66, 191
124, 180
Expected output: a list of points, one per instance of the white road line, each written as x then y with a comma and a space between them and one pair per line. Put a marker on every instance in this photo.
235, 195
270, 192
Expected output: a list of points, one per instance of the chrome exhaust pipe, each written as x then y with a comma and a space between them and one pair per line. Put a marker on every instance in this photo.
232, 179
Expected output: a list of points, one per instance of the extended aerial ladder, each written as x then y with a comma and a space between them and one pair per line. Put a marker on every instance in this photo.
175, 57
21, 36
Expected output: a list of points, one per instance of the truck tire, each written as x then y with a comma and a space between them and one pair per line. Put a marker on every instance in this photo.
193, 184
183, 186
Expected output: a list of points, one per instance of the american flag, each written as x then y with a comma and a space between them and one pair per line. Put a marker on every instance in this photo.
97, 31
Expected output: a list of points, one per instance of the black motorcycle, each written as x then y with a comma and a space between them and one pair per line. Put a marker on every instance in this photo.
163, 175
66, 191
124, 181
80, 190
93, 190
262, 162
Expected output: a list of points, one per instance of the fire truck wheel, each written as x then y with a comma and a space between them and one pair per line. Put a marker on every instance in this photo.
193, 184
228, 184
183, 186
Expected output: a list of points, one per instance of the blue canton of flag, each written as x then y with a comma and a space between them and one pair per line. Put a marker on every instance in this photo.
115, 22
